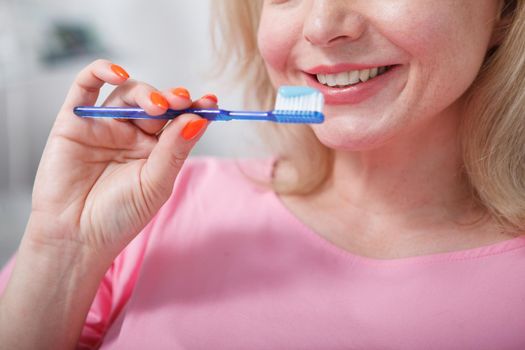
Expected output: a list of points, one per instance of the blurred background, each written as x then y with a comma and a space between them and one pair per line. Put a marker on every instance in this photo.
43, 45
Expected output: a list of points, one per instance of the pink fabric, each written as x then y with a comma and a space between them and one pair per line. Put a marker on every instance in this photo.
224, 265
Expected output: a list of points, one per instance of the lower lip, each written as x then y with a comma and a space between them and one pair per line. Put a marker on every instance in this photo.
356, 93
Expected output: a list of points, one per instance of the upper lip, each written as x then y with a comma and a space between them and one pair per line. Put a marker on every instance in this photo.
342, 67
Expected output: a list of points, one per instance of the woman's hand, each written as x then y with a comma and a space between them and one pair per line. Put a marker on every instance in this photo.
100, 181
98, 184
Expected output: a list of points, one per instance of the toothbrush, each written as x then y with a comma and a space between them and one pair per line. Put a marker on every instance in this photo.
294, 104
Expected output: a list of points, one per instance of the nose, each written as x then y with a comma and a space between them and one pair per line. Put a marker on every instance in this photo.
331, 22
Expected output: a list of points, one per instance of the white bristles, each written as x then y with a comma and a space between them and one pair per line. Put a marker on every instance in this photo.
298, 104
311, 101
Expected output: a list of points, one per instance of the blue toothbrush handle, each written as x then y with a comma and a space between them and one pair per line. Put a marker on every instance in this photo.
139, 113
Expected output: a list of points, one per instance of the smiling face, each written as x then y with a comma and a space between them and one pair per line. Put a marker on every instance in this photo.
386, 67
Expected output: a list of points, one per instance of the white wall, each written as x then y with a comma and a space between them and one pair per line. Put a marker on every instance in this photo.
163, 42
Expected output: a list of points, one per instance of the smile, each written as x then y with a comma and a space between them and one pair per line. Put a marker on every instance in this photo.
353, 83
349, 78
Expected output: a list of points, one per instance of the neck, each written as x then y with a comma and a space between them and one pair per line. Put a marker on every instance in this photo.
417, 176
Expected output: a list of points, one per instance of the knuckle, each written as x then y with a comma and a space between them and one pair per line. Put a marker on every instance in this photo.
128, 84
99, 62
147, 87
80, 81
176, 160
126, 88
138, 87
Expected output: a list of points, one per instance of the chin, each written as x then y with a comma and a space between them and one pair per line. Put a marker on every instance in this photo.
350, 137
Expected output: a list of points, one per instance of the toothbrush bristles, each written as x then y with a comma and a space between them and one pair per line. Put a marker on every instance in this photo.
299, 105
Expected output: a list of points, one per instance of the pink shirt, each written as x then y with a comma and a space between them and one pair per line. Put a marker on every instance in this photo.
224, 265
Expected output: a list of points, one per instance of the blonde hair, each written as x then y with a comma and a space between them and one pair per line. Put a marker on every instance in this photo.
492, 131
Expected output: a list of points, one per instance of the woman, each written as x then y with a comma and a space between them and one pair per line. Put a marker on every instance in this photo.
397, 223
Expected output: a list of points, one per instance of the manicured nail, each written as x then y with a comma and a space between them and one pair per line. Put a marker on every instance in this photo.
118, 70
158, 100
181, 92
192, 128
211, 97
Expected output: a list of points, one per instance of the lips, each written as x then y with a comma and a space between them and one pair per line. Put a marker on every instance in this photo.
341, 85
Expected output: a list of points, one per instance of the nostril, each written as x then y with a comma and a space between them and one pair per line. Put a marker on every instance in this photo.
328, 25
325, 42
341, 38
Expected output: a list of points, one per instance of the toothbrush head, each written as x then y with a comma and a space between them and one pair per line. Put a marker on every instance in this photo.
298, 104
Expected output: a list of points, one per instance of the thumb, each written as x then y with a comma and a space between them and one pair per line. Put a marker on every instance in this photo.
168, 156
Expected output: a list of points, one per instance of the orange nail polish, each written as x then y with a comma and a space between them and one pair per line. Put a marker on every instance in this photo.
118, 70
158, 100
192, 128
211, 97
181, 92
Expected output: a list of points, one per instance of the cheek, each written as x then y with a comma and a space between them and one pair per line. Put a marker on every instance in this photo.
421, 31
440, 34
273, 51
276, 39
446, 46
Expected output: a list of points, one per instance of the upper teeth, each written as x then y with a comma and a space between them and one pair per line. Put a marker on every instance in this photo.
351, 77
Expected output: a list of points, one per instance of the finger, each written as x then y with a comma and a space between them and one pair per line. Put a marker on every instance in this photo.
168, 156
154, 103
209, 101
136, 93
177, 98
86, 87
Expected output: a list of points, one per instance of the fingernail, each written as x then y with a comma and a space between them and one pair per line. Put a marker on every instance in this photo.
192, 128
118, 70
211, 97
158, 100
181, 92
